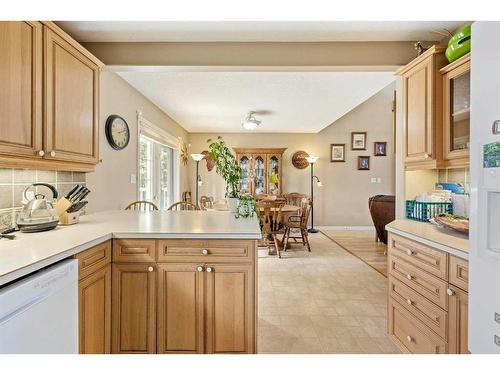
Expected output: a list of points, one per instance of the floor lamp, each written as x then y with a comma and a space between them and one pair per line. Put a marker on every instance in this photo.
197, 158
311, 160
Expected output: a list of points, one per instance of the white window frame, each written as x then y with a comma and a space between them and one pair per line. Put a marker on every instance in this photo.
157, 135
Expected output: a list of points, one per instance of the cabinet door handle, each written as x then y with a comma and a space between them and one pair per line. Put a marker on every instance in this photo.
409, 339
409, 301
409, 277
199, 269
204, 252
150, 269
450, 292
426, 156
409, 252
209, 269
52, 153
41, 153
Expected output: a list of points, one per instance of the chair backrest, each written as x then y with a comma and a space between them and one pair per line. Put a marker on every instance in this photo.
206, 202
142, 206
294, 199
263, 196
305, 211
270, 215
183, 206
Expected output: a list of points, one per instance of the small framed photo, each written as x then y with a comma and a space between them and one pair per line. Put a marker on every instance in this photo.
358, 141
363, 163
380, 149
337, 152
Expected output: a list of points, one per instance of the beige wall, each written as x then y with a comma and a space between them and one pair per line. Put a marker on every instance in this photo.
343, 198
110, 183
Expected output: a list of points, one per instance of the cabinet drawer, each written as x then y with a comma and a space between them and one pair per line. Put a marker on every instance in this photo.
412, 334
423, 257
203, 250
93, 259
431, 315
459, 272
132, 250
429, 286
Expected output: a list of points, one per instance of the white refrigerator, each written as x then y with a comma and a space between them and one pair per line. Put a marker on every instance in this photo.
484, 258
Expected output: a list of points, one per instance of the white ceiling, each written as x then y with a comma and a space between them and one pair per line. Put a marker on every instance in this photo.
256, 31
218, 101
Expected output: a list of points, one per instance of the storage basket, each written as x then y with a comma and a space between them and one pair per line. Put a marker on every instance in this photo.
424, 211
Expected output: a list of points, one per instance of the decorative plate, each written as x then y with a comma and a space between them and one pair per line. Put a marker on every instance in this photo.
299, 160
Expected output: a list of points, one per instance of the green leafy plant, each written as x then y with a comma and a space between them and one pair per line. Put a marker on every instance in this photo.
225, 165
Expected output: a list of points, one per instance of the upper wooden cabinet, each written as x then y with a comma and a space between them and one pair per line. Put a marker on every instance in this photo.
261, 170
456, 102
422, 110
49, 103
21, 93
71, 101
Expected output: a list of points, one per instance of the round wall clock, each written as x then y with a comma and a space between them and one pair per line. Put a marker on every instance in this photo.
117, 132
299, 160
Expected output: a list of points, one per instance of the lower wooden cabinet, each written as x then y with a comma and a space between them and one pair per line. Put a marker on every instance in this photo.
94, 299
458, 303
181, 296
134, 308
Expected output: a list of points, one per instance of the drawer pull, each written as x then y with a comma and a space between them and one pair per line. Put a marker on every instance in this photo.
409, 252
450, 292
41, 153
409, 339
409, 277
199, 269
209, 269
150, 269
53, 154
204, 252
409, 301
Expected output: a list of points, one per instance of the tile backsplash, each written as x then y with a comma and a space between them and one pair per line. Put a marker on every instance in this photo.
14, 181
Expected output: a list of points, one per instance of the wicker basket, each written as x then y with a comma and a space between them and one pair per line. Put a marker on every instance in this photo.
424, 211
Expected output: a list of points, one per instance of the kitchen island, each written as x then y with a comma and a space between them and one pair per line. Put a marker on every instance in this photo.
153, 282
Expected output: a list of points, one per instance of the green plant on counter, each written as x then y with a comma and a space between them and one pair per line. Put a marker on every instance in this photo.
226, 166
246, 206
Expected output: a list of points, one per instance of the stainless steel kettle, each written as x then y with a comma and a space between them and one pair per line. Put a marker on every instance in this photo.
38, 214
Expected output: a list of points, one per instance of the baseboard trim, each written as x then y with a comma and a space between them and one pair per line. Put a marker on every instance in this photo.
347, 227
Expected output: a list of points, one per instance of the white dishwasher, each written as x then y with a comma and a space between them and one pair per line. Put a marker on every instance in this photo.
39, 313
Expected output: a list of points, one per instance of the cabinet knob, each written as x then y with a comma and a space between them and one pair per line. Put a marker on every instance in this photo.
150, 269
204, 251
199, 269
426, 156
209, 269
450, 292
409, 339
52, 153
41, 153
409, 277
409, 252
409, 301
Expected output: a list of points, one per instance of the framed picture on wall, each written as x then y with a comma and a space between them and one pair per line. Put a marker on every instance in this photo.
358, 141
363, 163
337, 152
380, 149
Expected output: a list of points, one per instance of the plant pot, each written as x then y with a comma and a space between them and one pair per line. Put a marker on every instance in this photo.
232, 204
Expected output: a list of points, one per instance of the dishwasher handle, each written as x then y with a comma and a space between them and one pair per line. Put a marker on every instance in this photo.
19, 310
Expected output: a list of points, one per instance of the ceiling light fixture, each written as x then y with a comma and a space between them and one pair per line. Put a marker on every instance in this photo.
251, 123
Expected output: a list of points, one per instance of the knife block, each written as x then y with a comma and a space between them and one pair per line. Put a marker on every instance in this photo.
61, 206
69, 218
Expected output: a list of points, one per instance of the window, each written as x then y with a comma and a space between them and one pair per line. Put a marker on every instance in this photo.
156, 172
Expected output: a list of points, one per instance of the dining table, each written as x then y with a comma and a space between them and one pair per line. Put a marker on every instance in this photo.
287, 210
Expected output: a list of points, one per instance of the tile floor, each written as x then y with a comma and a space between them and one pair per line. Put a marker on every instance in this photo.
326, 301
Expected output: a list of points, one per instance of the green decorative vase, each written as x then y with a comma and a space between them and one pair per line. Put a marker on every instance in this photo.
459, 44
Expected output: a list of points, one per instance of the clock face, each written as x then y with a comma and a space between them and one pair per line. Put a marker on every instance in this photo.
117, 132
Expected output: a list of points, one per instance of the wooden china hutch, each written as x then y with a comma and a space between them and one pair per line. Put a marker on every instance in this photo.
261, 170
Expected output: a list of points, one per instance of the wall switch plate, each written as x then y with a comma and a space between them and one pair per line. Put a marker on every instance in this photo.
374, 180
379, 180
497, 340
497, 318
133, 178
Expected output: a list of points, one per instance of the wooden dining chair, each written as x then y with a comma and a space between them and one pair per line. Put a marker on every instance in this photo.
271, 222
294, 199
263, 196
206, 202
142, 206
183, 206
299, 223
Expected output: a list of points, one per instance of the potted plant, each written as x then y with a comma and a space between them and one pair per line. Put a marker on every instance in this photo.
227, 167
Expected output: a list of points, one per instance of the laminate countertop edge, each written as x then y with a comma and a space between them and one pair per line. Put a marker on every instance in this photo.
429, 235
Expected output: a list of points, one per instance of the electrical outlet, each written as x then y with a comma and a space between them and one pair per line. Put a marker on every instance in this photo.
133, 178
374, 180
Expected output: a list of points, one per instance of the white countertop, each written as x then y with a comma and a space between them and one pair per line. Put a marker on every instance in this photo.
446, 240
29, 252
